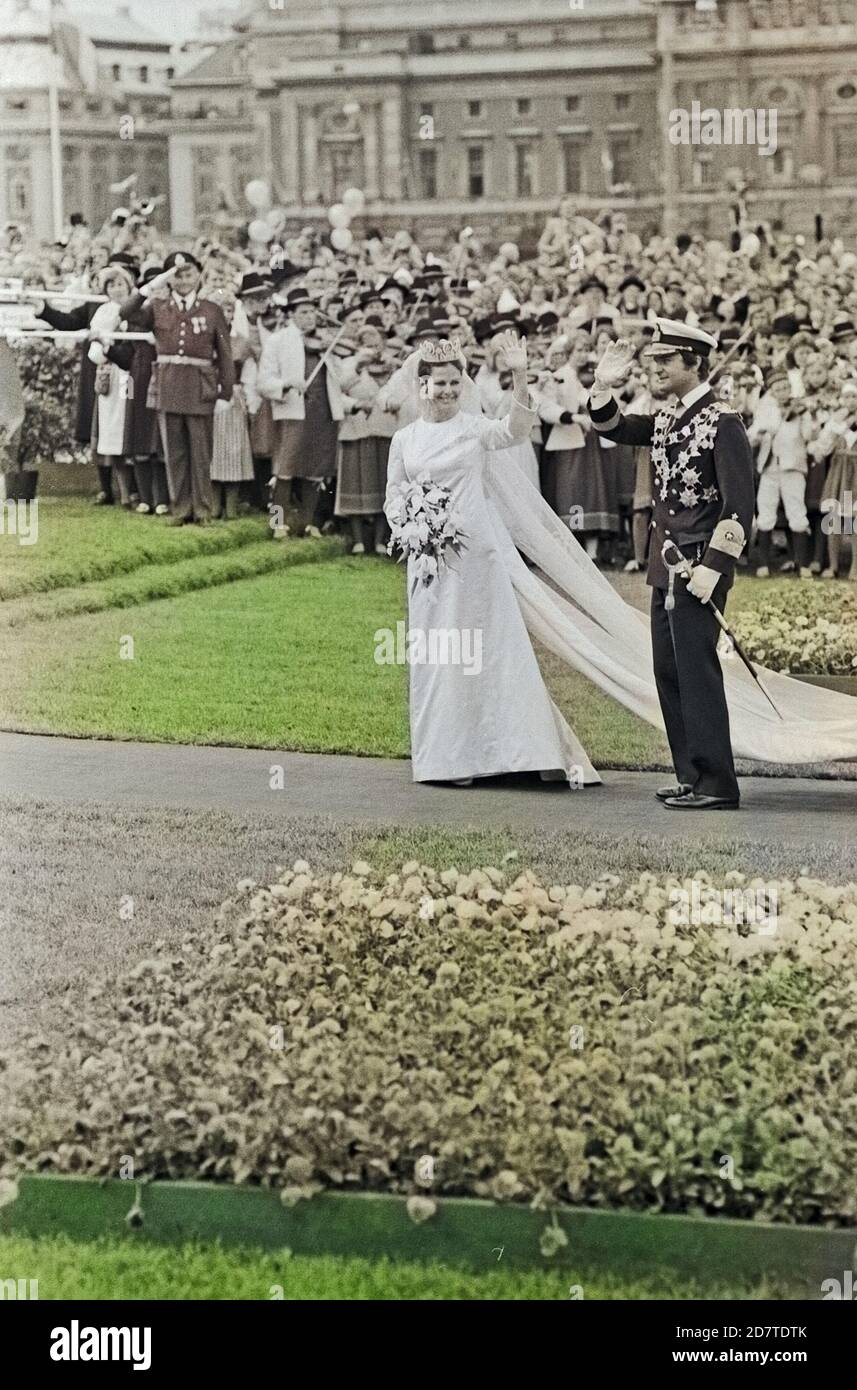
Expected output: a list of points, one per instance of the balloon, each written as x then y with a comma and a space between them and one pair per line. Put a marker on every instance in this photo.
509, 251
507, 303
750, 245
275, 217
341, 238
354, 200
258, 194
259, 230
338, 215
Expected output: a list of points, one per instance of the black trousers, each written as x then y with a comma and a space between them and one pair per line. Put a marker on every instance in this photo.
690, 688
188, 442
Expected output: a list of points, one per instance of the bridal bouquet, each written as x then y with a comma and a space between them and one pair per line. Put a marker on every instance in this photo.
423, 529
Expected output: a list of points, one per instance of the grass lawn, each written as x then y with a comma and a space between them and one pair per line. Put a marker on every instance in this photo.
112, 1269
233, 646
77, 543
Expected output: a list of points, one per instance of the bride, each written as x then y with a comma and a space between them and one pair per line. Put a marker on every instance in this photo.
468, 722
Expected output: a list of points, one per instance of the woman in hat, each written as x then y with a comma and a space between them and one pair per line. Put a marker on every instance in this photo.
364, 443
112, 384
838, 441
231, 455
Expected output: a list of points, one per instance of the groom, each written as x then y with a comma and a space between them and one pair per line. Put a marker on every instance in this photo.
703, 503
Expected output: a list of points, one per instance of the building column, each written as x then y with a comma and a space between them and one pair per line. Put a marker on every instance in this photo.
670, 178
370, 154
309, 191
290, 151
183, 213
392, 143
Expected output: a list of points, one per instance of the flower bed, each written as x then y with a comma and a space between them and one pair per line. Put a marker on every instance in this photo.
806, 629
434, 1034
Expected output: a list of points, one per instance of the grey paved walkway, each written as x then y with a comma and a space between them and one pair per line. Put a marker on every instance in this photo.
792, 810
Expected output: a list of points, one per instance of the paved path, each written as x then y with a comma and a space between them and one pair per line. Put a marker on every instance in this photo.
791, 810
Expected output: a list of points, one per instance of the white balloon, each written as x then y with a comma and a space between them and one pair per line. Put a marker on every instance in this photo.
338, 215
275, 217
750, 245
258, 194
355, 200
260, 231
341, 238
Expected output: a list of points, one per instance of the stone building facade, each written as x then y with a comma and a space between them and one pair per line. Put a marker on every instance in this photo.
488, 113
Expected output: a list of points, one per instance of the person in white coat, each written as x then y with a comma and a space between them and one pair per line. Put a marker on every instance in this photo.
781, 428
112, 383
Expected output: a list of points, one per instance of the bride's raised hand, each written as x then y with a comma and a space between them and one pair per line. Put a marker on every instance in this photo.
615, 363
514, 350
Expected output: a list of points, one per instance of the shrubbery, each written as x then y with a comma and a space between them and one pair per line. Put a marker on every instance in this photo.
540, 1044
808, 629
49, 374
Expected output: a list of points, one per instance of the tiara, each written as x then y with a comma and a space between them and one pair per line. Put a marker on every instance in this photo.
447, 350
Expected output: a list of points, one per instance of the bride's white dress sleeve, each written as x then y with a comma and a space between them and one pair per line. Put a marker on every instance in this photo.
395, 475
512, 429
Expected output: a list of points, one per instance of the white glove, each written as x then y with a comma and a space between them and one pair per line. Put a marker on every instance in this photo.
703, 581
615, 364
221, 407
97, 354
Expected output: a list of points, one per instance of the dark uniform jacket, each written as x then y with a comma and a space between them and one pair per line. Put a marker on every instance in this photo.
197, 332
72, 322
703, 474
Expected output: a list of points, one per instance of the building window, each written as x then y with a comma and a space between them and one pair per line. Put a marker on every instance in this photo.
421, 43
781, 164
476, 171
572, 103
572, 167
171, 72
703, 171
847, 91
426, 108
525, 171
464, 40
621, 101
513, 38
116, 72
144, 73
428, 173
845, 152
622, 159
474, 110
524, 105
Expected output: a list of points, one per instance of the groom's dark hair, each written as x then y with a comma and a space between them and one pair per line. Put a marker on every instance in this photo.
695, 359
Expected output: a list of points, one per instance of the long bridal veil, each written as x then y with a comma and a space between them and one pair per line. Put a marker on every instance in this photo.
573, 609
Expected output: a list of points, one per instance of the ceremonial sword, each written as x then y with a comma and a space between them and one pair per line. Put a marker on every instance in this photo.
683, 567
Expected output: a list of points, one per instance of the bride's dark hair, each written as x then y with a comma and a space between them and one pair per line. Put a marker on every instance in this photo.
424, 367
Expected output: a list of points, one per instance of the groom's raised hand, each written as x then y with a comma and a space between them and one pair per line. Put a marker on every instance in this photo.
615, 364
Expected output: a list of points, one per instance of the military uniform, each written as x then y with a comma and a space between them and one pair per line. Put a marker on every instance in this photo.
703, 501
194, 369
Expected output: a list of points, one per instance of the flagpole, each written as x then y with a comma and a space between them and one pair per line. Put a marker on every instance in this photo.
56, 148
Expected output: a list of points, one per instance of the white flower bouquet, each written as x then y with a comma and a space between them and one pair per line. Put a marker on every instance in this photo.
424, 529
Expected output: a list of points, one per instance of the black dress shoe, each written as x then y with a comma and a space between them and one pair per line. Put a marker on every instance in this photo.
669, 793
693, 801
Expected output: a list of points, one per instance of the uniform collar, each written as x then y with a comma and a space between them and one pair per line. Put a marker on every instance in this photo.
185, 300
693, 395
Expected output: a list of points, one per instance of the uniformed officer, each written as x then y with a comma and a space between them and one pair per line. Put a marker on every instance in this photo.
193, 376
703, 502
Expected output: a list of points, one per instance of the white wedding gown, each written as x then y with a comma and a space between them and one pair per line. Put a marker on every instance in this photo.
463, 726
465, 721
